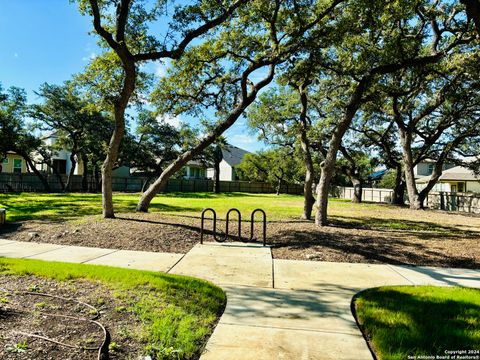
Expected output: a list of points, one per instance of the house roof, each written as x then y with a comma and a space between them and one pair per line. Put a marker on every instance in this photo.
377, 175
457, 173
233, 155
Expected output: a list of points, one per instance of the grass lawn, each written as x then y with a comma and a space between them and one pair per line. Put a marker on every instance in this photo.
366, 232
177, 313
419, 320
29, 206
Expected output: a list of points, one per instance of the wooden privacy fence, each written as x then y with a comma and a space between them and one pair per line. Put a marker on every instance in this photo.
31, 183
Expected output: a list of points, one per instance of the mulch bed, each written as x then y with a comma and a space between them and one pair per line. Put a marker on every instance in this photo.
451, 245
34, 309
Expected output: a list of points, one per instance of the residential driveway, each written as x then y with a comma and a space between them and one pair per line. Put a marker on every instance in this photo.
276, 309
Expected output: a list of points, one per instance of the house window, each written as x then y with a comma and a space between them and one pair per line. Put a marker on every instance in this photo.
460, 187
430, 168
17, 166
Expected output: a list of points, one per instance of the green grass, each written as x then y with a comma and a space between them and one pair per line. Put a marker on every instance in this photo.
343, 213
177, 312
27, 206
419, 320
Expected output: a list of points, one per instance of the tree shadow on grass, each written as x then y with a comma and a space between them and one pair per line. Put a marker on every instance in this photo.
54, 210
422, 229
155, 222
367, 248
429, 327
9, 228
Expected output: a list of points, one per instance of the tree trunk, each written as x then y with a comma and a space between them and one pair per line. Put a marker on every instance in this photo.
117, 136
247, 99
216, 176
399, 189
85, 173
357, 190
71, 172
40, 176
328, 164
309, 200
59, 178
97, 180
279, 186
413, 197
473, 12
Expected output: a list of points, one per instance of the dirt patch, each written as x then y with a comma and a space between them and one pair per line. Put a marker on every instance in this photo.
71, 313
386, 235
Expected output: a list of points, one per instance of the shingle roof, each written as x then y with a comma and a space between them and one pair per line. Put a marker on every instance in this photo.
457, 173
233, 155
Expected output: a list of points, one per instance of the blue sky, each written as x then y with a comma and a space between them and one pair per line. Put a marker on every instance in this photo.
49, 41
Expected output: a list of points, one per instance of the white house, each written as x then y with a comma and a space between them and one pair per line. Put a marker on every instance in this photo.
62, 163
231, 157
60, 159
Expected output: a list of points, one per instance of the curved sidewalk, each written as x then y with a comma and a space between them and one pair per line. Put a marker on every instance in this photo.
276, 309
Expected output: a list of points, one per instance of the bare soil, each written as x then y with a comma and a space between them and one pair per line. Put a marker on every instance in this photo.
26, 314
383, 235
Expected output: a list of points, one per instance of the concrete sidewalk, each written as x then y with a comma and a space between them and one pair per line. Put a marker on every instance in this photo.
276, 309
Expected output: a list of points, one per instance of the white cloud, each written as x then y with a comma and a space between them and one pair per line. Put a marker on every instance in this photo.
175, 121
91, 56
161, 68
243, 139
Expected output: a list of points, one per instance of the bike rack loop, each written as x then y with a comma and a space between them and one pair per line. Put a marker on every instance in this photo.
239, 225
214, 224
264, 225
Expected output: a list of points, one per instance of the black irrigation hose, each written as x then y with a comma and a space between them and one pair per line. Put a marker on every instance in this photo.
102, 350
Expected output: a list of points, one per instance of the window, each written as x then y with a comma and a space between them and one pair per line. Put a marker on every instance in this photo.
17, 166
430, 168
460, 187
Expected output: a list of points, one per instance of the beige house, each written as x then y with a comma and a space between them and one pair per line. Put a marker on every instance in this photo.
455, 179
13, 164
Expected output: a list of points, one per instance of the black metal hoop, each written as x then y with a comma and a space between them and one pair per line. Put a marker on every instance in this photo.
214, 224
252, 218
219, 239
239, 223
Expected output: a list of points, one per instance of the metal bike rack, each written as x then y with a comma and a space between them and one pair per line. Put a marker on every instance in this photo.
239, 225
252, 218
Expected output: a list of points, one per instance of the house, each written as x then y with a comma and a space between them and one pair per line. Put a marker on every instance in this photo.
62, 163
194, 170
425, 168
231, 157
13, 164
60, 159
454, 179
